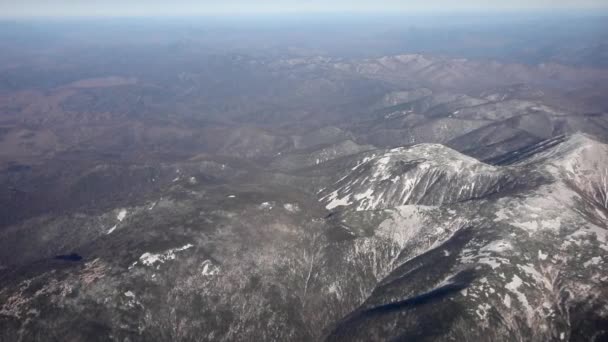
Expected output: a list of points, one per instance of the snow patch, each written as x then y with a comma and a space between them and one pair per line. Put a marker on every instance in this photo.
293, 208
112, 229
482, 310
367, 194
514, 286
121, 215
209, 268
335, 201
528, 225
132, 301
497, 247
593, 261
149, 259
501, 215
265, 206
336, 290
494, 263
507, 300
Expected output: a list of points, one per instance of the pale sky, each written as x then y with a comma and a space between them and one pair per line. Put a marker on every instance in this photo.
26, 8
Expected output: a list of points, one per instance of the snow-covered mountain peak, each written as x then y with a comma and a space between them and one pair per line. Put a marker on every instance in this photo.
526, 248
406, 175
576, 149
581, 150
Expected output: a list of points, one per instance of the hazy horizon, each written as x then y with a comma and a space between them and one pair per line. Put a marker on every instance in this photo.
159, 8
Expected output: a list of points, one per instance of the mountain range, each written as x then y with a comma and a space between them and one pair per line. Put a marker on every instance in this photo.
175, 192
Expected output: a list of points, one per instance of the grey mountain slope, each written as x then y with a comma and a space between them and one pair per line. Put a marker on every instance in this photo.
318, 154
267, 194
527, 266
519, 255
429, 174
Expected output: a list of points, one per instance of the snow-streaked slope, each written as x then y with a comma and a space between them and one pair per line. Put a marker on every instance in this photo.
522, 265
429, 174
